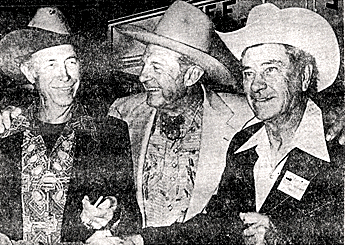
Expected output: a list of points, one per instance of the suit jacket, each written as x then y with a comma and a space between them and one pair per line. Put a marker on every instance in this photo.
316, 219
223, 116
102, 166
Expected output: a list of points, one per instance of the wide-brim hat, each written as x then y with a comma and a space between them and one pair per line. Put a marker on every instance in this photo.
47, 29
298, 27
187, 30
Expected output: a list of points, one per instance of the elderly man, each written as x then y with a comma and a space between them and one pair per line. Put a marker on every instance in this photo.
56, 159
179, 129
282, 179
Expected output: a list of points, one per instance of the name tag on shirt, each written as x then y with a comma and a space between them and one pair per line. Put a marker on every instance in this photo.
293, 185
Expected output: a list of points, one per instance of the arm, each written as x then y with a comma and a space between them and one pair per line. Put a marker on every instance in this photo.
102, 167
316, 219
332, 103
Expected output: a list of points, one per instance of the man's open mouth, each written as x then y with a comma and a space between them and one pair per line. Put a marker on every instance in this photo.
152, 89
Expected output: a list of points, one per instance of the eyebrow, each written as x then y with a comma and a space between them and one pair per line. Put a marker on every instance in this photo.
273, 62
243, 68
72, 57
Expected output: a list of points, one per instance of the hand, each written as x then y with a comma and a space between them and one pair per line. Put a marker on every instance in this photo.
337, 120
98, 215
105, 238
4, 240
259, 225
6, 117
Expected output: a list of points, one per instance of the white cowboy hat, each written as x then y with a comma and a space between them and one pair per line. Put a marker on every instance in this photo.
47, 29
187, 30
298, 27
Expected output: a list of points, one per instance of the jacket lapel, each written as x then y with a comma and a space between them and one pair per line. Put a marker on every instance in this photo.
140, 136
299, 163
213, 147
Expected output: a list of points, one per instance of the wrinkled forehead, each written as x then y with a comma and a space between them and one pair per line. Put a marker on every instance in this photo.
265, 53
60, 52
160, 53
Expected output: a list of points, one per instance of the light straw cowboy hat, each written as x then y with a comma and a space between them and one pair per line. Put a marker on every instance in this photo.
48, 28
298, 27
187, 30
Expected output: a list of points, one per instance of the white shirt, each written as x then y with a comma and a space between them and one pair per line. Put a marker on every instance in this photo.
309, 137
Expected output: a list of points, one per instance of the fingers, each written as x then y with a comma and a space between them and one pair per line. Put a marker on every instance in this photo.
98, 201
259, 225
102, 238
337, 127
256, 234
15, 111
6, 117
253, 217
334, 130
98, 215
342, 138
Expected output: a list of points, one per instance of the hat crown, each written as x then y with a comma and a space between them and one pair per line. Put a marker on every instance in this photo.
50, 19
184, 23
297, 27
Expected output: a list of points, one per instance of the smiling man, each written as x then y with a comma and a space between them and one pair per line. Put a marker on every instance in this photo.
56, 160
179, 128
283, 183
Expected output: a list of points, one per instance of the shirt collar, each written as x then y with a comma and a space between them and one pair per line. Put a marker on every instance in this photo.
309, 136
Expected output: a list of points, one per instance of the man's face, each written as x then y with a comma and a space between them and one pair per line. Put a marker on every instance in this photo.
57, 75
270, 88
161, 77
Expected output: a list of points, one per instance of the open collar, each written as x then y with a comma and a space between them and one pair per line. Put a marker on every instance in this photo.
309, 136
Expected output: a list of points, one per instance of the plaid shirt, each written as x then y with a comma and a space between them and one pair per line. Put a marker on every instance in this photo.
170, 168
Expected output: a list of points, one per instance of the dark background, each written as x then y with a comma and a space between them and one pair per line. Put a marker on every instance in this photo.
102, 81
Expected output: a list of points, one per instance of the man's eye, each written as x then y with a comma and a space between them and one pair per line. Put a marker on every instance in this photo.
248, 74
72, 62
157, 69
270, 70
50, 65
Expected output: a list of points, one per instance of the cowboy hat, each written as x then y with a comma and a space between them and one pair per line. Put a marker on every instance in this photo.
47, 29
298, 27
187, 30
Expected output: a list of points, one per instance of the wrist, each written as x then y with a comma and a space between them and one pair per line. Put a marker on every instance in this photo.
134, 240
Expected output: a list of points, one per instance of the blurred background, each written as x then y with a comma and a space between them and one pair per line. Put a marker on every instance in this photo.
111, 62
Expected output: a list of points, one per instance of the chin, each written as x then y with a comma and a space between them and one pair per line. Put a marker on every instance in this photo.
65, 103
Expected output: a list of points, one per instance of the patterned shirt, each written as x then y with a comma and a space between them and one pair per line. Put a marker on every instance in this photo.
170, 168
47, 158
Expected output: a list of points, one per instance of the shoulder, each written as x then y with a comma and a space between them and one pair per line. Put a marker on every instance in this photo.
123, 107
111, 125
236, 102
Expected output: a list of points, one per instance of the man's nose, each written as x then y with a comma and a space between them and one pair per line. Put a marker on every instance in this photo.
258, 84
64, 73
145, 74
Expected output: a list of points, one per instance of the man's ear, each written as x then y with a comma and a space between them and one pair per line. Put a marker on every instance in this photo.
28, 72
306, 78
193, 75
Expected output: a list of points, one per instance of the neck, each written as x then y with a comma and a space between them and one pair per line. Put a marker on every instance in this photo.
54, 114
281, 130
180, 106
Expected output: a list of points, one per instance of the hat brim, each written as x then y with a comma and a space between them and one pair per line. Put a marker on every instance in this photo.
298, 27
215, 69
20, 43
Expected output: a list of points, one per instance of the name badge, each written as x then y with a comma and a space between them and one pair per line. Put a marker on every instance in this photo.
293, 185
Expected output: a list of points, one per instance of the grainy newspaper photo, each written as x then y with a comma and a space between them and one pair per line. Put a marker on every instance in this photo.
139, 122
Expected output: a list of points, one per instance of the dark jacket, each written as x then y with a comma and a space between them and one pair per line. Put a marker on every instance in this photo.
102, 166
316, 219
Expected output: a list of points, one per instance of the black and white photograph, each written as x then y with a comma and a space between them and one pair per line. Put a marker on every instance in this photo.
143, 122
